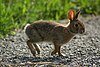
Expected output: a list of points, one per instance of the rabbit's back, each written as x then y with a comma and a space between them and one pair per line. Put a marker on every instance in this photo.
41, 31
48, 31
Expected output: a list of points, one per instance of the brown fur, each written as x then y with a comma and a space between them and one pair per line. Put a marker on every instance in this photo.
54, 32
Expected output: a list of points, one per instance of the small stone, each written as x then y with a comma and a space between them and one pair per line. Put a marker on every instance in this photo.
99, 61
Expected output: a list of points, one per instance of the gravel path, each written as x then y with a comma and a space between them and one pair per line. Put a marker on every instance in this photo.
82, 50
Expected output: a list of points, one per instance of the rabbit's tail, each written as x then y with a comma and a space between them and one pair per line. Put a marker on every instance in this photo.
26, 26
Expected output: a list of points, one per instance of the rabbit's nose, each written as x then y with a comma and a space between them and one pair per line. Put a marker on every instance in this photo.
82, 31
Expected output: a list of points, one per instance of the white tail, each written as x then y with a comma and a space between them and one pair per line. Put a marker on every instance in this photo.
26, 27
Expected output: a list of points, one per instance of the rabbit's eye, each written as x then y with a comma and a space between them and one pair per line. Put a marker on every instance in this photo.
76, 25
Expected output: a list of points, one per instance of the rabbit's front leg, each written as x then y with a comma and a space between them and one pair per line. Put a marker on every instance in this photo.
32, 49
59, 53
57, 49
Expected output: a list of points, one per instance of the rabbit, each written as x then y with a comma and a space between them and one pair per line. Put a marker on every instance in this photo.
54, 32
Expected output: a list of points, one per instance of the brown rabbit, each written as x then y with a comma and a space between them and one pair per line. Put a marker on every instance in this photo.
54, 32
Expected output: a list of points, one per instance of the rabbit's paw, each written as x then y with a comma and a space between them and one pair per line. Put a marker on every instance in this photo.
33, 53
54, 52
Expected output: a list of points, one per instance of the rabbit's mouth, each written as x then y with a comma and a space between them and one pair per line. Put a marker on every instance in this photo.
82, 31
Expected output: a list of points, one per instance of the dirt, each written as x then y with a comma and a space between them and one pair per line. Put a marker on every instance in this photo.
82, 50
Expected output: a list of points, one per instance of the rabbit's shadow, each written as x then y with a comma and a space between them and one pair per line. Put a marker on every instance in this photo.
24, 59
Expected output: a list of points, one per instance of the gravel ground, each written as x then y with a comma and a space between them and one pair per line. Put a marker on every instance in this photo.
82, 50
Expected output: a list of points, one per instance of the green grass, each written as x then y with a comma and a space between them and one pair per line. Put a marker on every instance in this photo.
14, 14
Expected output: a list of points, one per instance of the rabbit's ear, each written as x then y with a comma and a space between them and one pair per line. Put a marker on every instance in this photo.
77, 14
71, 15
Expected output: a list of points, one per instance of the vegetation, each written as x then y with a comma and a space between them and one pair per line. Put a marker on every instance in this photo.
14, 14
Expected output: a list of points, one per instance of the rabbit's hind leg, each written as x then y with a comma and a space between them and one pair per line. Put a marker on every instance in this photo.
37, 48
32, 49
